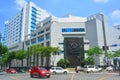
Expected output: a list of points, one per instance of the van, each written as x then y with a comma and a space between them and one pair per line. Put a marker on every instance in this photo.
91, 68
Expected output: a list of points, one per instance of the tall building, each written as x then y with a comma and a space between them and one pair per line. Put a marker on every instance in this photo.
23, 23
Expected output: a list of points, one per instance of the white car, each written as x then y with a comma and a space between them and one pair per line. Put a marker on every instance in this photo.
55, 70
91, 68
110, 68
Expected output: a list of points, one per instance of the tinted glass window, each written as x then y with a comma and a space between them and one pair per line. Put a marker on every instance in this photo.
42, 68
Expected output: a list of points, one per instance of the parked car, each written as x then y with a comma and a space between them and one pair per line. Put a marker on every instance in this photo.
91, 68
55, 70
11, 70
110, 68
20, 71
79, 69
39, 71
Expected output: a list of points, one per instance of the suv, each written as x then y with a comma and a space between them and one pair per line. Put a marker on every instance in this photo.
55, 70
39, 72
91, 68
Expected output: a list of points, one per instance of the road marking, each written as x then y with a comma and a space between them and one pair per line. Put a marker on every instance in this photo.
103, 78
14, 78
72, 78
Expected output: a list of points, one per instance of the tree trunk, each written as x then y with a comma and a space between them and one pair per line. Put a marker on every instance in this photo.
42, 60
22, 63
37, 59
47, 60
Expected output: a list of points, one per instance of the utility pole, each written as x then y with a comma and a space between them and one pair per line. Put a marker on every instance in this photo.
105, 47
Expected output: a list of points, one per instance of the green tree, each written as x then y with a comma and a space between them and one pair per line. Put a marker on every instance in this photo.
116, 54
94, 51
90, 53
55, 51
88, 61
29, 54
20, 55
41, 51
3, 49
35, 50
7, 58
63, 62
47, 54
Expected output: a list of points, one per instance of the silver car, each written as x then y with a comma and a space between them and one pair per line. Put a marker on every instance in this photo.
55, 70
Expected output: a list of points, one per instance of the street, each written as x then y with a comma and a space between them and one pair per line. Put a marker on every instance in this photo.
69, 76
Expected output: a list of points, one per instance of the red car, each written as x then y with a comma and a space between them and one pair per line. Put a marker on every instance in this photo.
11, 70
39, 72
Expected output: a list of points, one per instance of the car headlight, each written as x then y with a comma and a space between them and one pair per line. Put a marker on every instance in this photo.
42, 72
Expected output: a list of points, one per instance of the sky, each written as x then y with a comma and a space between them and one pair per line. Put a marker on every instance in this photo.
59, 8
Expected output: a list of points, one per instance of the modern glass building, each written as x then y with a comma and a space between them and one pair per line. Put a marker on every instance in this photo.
23, 23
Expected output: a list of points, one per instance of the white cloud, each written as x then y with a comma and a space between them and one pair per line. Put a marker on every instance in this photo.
101, 1
20, 3
116, 14
116, 23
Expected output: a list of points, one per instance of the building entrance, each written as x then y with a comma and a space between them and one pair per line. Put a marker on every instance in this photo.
74, 51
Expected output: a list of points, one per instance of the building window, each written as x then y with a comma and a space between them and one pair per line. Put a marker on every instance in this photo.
41, 38
33, 41
73, 29
27, 43
41, 32
33, 35
48, 29
47, 36
48, 43
34, 9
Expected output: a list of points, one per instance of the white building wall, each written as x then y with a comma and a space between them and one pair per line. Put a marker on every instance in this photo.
94, 33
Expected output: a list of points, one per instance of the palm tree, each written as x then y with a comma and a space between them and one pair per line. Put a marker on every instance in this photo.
7, 58
20, 55
35, 52
55, 51
41, 50
29, 54
47, 53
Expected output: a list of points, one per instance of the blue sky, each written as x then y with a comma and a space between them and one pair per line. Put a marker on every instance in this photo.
59, 8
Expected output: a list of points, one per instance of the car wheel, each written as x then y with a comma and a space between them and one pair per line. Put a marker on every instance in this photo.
54, 72
31, 75
91, 71
48, 76
65, 72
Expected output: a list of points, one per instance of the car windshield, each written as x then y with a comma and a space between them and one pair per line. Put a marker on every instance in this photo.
42, 69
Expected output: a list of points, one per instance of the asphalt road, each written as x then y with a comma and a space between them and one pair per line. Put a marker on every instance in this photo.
69, 76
